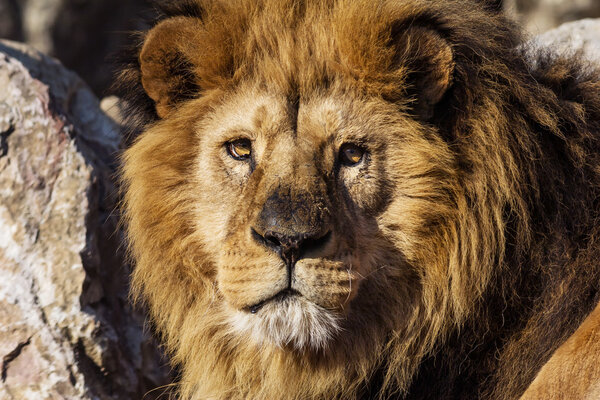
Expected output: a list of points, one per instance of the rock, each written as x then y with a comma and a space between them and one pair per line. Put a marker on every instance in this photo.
541, 15
579, 36
113, 108
82, 34
66, 327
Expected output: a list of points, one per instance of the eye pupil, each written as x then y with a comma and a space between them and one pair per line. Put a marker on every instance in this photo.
240, 149
351, 154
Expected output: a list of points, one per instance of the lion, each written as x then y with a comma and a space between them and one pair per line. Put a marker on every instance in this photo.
571, 373
359, 199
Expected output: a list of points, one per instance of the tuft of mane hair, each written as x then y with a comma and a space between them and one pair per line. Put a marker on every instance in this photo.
138, 108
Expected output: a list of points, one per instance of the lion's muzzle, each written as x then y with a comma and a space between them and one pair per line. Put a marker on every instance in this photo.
293, 225
285, 248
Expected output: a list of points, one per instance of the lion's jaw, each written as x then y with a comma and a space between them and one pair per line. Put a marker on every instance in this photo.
302, 306
304, 310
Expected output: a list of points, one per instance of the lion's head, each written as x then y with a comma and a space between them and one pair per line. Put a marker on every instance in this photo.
323, 188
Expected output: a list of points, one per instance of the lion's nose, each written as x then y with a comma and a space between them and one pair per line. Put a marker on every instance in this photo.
293, 223
292, 247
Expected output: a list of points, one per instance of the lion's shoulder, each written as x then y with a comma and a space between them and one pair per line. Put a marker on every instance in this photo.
573, 371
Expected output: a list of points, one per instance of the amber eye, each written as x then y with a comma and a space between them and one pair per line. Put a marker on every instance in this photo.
351, 154
240, 149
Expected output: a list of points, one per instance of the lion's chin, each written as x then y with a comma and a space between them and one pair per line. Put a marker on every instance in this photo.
290, 321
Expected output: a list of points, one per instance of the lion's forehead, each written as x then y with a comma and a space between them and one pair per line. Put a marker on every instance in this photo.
309, 124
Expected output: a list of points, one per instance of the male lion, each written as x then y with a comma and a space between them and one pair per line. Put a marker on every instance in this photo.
343, 199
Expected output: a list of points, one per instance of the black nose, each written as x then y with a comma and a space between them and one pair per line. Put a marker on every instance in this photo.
293, 222
291, 248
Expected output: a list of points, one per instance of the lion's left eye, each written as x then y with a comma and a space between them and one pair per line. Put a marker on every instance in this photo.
240, 149
351, 154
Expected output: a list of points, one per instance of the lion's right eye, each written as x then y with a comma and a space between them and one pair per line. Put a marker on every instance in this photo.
240, 149
351, 154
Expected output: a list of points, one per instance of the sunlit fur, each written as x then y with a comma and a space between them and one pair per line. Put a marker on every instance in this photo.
291, 321
464, 249
573, 371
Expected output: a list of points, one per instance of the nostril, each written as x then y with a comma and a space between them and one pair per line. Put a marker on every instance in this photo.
268, 239
314, 243
292, 247
272, 240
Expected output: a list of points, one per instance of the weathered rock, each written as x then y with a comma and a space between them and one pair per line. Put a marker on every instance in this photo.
579, 36
541, 15
66, 327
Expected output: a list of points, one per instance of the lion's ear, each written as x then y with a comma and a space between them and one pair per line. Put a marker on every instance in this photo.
166, 62
430, 61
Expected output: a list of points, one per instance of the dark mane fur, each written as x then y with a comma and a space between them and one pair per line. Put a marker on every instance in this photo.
139, 109
546, 289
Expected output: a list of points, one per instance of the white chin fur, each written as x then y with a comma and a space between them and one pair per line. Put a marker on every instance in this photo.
291, 321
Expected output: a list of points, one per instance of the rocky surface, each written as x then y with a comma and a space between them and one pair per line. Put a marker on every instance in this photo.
579, 36
66, 328
538, 16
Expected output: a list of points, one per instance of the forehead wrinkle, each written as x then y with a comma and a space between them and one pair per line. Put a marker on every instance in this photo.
294, 111
260, 115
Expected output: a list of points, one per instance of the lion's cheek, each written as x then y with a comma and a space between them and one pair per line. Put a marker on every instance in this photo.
245, 279
330, 284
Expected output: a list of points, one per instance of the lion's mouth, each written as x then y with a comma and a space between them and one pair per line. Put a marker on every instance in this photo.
284, 294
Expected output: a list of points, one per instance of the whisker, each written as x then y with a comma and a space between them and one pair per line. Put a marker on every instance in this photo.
372, 272
349, 270
165, 392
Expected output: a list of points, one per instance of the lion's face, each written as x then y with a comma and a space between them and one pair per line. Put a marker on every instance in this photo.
295, 202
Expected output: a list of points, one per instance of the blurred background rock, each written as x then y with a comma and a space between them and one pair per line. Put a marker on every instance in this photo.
83, 33
538, 16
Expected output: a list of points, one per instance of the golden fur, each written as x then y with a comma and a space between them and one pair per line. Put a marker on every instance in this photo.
461, 251
573, 371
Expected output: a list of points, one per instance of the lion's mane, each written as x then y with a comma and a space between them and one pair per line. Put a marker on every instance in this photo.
506, 265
